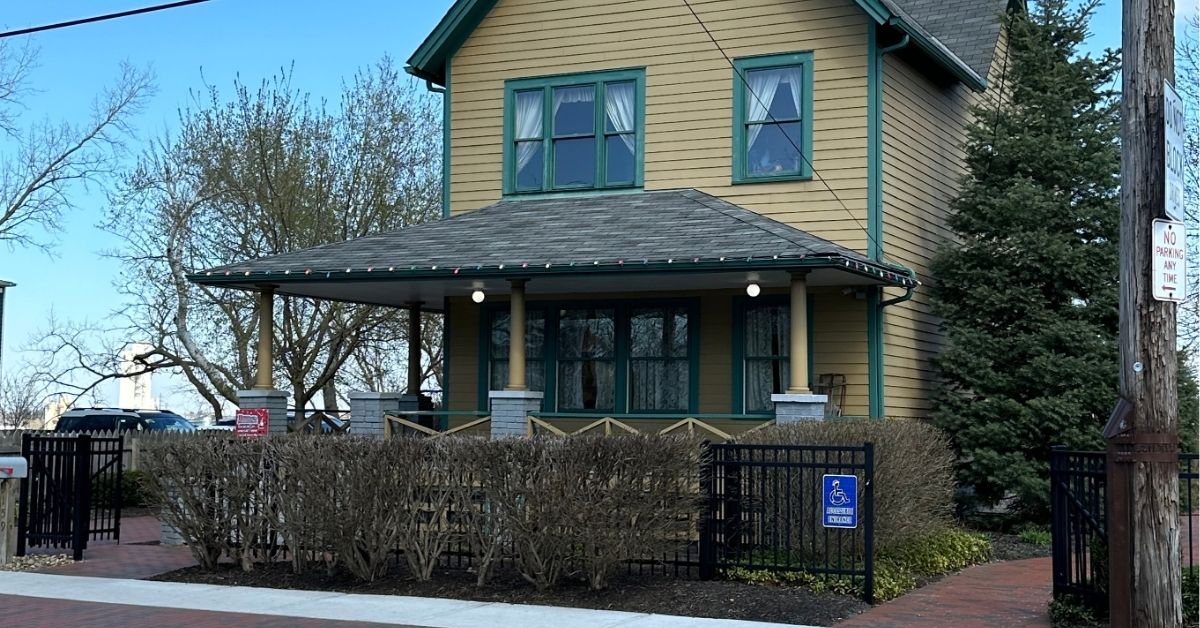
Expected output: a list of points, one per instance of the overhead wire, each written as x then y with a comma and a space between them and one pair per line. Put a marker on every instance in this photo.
98, 18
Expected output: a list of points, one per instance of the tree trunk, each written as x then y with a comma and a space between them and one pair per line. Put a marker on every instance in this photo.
1148, 365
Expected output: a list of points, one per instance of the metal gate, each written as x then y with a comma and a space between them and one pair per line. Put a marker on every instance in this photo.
73, 492
765, 512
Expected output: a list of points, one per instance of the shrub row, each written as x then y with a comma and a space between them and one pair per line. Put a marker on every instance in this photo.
549, 506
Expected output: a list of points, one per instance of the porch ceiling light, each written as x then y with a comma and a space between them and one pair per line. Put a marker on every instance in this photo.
477, 296
753, 289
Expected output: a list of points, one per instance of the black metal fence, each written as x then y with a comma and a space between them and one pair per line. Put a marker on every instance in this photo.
766, 506
73, 492
1079, 515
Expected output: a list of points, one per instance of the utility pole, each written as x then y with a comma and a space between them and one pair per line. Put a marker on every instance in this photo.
1143, 451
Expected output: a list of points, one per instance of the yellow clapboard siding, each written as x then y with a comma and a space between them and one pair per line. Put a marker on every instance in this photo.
923, 139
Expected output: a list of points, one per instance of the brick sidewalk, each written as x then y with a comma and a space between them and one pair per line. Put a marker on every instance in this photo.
138, 556
1011, 594
35, 612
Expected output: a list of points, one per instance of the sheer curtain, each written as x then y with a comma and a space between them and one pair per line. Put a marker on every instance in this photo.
568, 95
762, 87
528, 126
618, 106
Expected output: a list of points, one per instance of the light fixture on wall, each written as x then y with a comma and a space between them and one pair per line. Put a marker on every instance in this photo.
477, 296
753, 289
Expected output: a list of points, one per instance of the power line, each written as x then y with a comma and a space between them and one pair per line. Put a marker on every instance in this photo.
99, 18
771, 117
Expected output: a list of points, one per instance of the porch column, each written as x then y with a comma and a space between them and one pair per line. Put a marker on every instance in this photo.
798, 366
516, 337
798, 403
263, 377
511, 406
414, 348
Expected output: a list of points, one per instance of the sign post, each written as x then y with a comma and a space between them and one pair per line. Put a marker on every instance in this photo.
839, 501
251, 422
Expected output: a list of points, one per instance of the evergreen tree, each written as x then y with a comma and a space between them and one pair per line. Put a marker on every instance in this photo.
1028, 293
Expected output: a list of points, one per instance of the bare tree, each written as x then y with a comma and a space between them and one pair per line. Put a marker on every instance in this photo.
265, 172
45, 158
1187, 83
22, 402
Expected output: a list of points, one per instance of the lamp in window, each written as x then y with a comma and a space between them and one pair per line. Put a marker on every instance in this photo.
478, 296
753, 289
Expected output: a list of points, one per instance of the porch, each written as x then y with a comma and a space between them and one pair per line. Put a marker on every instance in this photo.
652, 311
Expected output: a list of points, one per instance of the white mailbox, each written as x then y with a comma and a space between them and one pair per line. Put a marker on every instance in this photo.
12, 467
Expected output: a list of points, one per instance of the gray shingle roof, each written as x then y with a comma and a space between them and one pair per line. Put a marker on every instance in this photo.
969, 29
635, 228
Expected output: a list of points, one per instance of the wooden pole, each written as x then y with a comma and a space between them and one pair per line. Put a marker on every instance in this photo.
798, 356
263, 376
8, 528
1148, 367
414, 348
516, 337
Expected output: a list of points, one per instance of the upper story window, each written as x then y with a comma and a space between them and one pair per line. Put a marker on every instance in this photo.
772, 118
577, 132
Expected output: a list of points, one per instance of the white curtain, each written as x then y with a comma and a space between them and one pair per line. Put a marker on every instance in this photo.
618, 106
568, 95
763, 86
528, 125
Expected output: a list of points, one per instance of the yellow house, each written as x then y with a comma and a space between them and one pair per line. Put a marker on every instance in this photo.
663, 209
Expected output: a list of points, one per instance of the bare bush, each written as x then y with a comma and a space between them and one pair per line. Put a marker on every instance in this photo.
914, 470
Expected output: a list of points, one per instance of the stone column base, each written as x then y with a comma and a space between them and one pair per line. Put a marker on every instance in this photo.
368, 408
275, 401
510, 409
793, 408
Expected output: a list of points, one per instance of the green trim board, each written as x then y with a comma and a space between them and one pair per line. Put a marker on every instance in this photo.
600, 131
881, 12
447, 111
621, 351
803, 60
738, 335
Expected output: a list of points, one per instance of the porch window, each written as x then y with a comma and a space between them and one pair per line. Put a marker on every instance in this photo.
767, 343
577, 132
772, 133
659, 359
535, 342
586, 359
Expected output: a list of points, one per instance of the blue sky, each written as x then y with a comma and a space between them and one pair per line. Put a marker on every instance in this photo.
223, 39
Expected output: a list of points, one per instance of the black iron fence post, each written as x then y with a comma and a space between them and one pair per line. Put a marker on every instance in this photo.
869, 520
1059, 551
23, 500
83, 494
120, 500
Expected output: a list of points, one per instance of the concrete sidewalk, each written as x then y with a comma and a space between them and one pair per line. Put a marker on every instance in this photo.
379, 609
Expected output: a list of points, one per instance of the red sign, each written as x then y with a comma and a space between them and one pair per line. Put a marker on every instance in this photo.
251, 422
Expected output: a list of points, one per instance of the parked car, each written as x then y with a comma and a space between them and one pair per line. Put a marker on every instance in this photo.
121, 420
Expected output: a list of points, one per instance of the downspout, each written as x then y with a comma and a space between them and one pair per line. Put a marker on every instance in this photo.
875, 304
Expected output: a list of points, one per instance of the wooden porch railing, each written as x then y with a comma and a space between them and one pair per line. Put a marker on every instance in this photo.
315, 421
401, 422
690, 425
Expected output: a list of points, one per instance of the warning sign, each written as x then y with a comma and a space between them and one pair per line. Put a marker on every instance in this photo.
1168, 267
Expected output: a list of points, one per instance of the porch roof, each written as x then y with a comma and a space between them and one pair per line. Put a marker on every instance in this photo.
613, 238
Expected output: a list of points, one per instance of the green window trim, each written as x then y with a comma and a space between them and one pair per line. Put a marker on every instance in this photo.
740, 305
802, 60
601, 133
623, 309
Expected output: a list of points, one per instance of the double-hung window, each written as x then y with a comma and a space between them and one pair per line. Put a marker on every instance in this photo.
577, 132
772, 118
767, 343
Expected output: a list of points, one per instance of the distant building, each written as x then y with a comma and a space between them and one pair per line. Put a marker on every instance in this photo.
135, 391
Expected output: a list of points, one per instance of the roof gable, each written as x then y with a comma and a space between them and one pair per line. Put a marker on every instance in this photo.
959, 34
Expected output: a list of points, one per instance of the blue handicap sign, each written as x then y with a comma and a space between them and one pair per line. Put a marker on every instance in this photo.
839, 500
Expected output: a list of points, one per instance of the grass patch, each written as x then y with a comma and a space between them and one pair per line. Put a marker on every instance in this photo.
1035, 535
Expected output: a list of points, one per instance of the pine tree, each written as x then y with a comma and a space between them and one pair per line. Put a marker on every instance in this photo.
1028, 293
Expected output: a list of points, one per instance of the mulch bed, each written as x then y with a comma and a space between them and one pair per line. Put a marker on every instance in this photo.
643, 594
1011, 547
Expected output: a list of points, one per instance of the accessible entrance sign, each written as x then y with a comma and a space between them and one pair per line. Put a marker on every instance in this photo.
251, 422
1168, 266
839, 497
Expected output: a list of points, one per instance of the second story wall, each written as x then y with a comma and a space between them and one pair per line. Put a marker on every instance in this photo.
688, 94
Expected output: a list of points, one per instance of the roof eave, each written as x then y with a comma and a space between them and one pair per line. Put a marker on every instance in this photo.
430, 58
882, 13
884, 274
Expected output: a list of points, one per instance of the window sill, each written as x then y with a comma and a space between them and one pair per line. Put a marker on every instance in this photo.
771, 179
574, 193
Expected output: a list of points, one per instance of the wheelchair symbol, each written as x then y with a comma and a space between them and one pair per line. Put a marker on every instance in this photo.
838, 497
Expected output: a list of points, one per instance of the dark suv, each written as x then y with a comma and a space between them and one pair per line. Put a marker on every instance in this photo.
117, 420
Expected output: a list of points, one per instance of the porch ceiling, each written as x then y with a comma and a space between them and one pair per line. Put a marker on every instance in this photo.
637, 242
